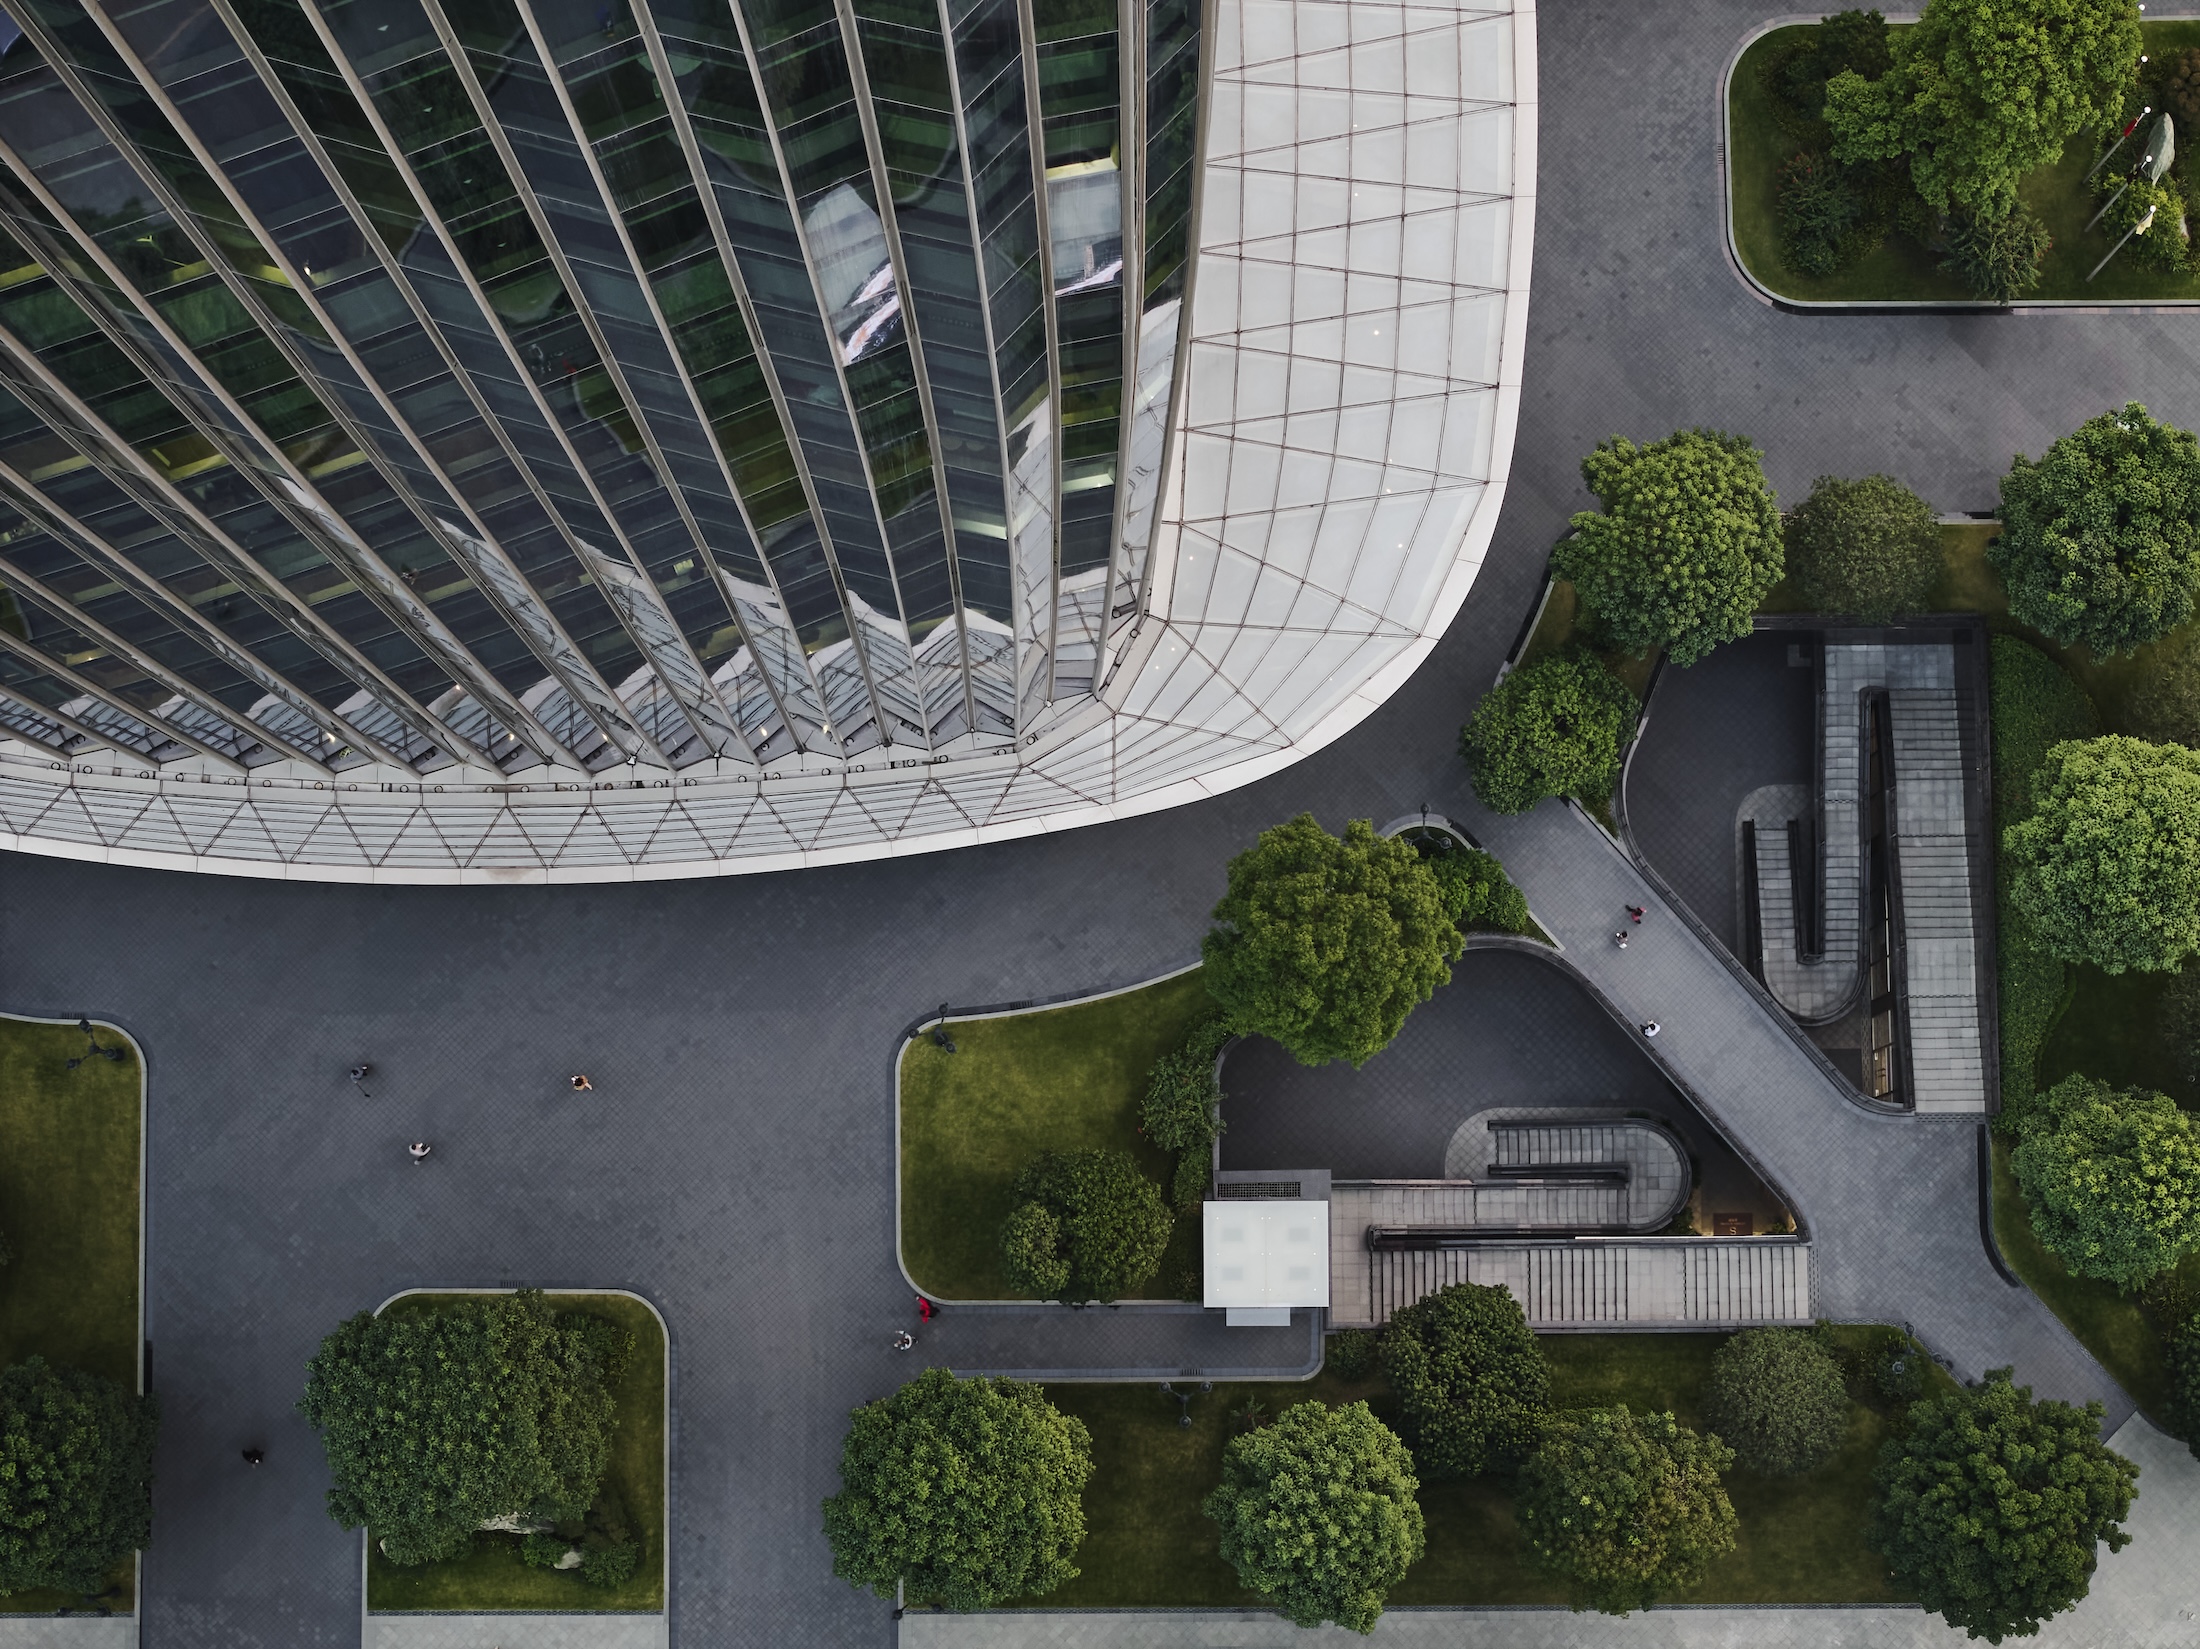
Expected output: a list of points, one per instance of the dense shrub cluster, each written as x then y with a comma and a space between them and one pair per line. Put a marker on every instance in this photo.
438, 1422
1318, 1513
1868, 548
1821, 215
2100, 540
1182, 1111
1470, 1380
1685, 547
1991, 1507
1625, 1507
1997, 257
966, 1492
1087, 1226
2036, 706
2112, 1179
1325, 943
1554, 727
2182, 1352
2107, 868
1479, 895
1777, 1399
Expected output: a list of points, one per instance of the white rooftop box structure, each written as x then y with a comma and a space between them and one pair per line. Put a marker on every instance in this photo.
1263, 1256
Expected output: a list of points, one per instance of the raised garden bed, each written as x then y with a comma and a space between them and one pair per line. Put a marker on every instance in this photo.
1147, 1545
71, 1146
1900, 272
1046, 1079
491, 1579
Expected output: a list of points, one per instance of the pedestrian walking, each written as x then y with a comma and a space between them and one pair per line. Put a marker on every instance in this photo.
1634, 913
252, 1457
359, 1074
925, 1308
581, 1084
1650, 1027
419, 1149
903, 1339
1620, 938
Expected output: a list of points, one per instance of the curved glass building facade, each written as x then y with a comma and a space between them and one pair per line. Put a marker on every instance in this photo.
455, 438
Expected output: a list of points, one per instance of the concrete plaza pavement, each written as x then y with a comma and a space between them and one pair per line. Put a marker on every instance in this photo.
735, 1162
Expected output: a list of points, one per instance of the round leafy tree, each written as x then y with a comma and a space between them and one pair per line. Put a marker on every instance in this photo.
1998, 258
1990, 1507
1868, 547
1624, 1507
2100, 540
1470, 1380
1777, 1400
1983, 91
2107, 867
439, 1422
76, 1476
2182, 1353
967, 1491
1687, 546
1326, 943
1318, 1515
1088, 1226
2112, 1178
1551, 728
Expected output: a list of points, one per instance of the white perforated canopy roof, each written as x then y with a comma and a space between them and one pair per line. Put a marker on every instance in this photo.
1263, 1252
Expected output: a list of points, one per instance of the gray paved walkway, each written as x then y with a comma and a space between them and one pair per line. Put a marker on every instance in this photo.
1890, 1202
735, 1161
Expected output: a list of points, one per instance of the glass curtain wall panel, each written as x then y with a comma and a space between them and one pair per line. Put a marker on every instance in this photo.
703, 385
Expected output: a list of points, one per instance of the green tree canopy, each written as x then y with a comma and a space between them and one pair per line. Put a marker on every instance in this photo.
437, 1421
1625, 1507
1777, 1400
2100, 540
1471, 1383
1991, 1506
1088, 1222
1550, 728
1326, 943
2107, 867
1318, 1513
968, 1491
2112, 1177
1868, 547
76, 1476
1687, 546
1982, 92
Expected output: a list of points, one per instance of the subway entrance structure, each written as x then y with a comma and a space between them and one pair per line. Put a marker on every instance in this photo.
452, 442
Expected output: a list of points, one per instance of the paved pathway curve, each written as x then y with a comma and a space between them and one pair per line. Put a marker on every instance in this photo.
1891, 1203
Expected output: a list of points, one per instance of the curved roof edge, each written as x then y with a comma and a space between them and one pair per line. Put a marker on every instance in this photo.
1304, 441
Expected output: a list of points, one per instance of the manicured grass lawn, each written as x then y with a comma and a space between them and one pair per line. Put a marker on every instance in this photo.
2108, 1323
1146, 1544
1555, 630
69, 1201
491, 1576
1056, 1079
1900, 270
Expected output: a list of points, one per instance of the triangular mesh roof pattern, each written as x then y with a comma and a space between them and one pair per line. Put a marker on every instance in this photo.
1333, 475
